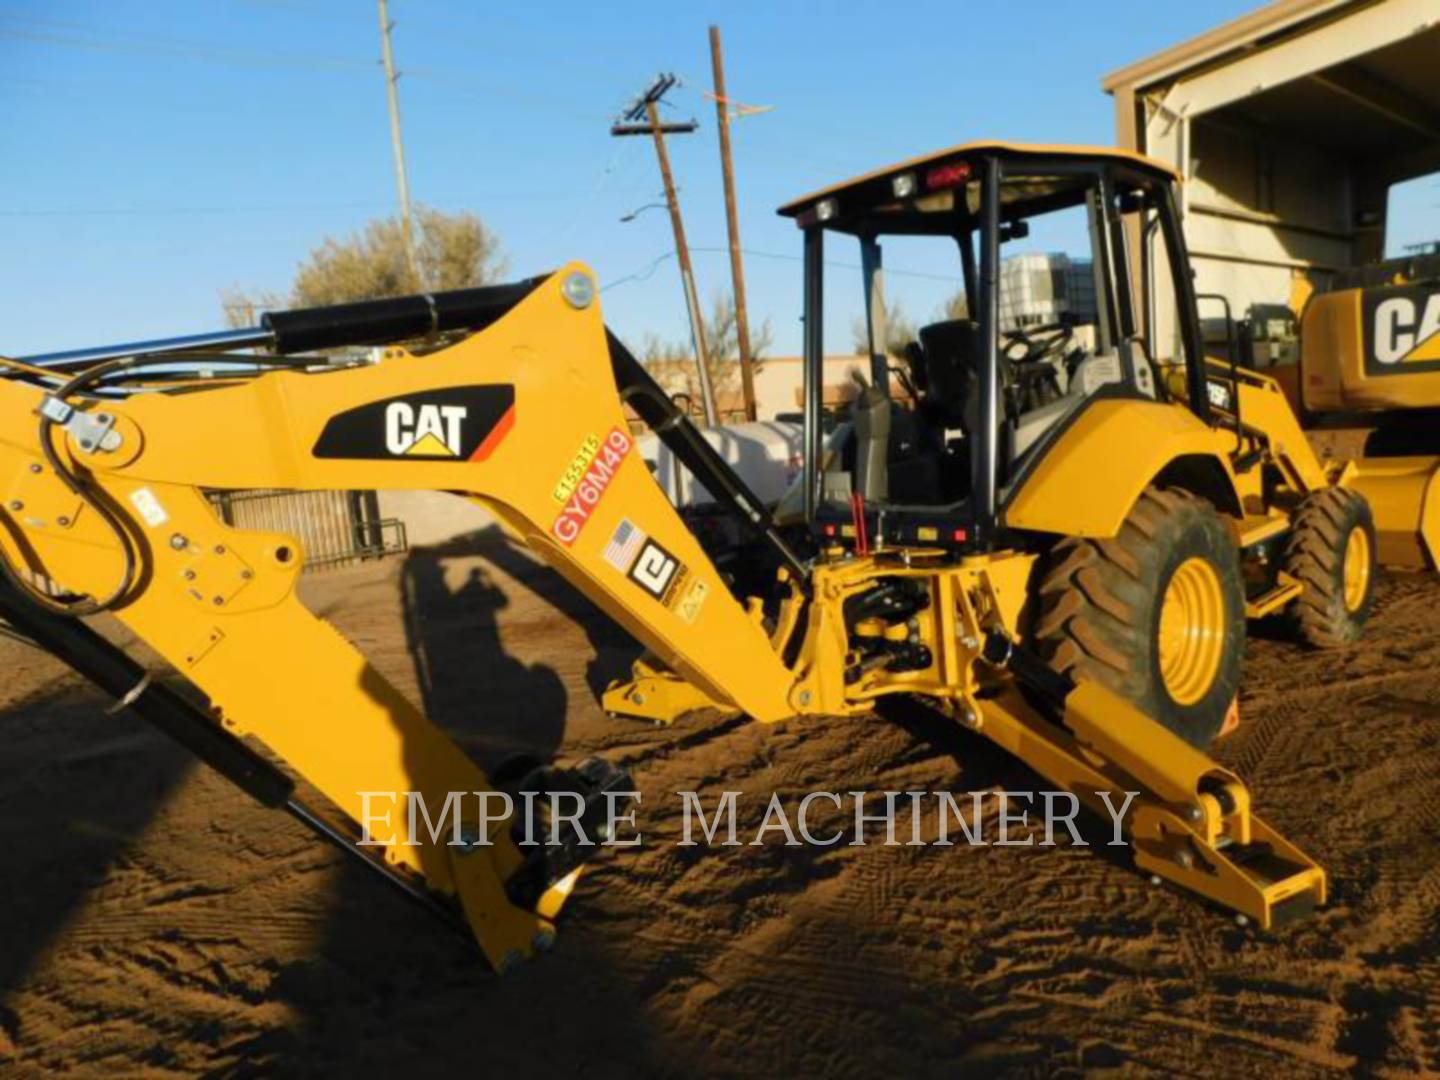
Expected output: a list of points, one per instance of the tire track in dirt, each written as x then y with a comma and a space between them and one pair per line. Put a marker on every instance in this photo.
217, 938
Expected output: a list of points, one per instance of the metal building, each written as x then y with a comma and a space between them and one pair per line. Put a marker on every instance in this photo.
1289, 126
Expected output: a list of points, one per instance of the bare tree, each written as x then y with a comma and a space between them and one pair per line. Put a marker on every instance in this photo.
899, 331
677, 359
243, 308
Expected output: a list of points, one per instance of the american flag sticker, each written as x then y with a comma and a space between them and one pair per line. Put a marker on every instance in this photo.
626, 541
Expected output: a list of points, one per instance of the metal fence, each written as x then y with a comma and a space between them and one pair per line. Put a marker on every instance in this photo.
335, 528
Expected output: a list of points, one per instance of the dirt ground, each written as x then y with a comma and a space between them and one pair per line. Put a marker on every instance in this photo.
157, 921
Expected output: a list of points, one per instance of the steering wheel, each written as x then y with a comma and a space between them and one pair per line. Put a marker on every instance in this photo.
1039, 344
1031, 379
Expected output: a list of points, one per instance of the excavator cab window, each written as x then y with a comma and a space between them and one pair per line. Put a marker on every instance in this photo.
1042, 319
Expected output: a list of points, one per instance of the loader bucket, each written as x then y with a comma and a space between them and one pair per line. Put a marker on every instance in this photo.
1405, 500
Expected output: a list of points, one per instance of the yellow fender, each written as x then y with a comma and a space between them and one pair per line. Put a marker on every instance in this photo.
1089, 479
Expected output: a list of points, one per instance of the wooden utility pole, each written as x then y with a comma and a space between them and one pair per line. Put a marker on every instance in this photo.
397, 144
647, 106
737, 268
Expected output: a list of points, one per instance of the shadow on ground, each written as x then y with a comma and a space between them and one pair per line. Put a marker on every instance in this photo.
77, 788
496, 706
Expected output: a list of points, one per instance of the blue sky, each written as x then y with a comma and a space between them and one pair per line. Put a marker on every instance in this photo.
154, 154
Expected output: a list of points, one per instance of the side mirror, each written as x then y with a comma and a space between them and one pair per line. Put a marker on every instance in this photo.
1132, 202
1014, 230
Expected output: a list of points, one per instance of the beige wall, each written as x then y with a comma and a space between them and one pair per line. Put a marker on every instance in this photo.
778, 384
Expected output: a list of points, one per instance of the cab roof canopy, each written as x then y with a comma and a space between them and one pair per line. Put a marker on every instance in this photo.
932, 193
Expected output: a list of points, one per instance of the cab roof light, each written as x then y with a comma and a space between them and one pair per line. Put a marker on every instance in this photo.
951, 174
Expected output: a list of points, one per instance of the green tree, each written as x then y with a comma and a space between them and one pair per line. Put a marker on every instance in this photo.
454, 251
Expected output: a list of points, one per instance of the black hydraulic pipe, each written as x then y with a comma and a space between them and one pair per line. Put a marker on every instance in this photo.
373, 322
643, 394
370, 322
118, 675
251, 337
1028, 669
412, 889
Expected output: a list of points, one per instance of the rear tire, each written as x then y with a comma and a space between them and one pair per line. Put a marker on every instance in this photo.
1331, 550
1156, 614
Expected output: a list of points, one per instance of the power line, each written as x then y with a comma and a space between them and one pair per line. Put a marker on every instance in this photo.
183, 210
645, 274
81, 37
640, 275
73, 35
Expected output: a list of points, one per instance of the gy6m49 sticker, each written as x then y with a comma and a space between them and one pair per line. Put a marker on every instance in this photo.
582, 486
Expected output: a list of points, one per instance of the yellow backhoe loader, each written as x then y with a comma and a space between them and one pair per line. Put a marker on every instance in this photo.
1065, 568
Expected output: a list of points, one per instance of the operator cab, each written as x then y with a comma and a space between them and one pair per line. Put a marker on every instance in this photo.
945, 421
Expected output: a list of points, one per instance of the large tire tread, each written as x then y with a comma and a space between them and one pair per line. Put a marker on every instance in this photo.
1314, 555
1097, 608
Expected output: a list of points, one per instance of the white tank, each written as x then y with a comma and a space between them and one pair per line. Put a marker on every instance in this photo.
765, 453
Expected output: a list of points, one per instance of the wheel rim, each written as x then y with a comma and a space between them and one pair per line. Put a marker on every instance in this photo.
1357, 569
1192, 631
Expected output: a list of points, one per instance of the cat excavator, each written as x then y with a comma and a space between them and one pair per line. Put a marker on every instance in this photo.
1359, 362
1058, 550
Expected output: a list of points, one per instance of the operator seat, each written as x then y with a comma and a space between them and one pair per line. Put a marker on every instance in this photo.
950, 350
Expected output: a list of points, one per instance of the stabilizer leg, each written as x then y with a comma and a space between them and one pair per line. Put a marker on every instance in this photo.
1190, 822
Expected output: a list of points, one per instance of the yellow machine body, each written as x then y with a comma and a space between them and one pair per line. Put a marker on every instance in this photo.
1405, 500
219, 603
1371, 350
1092, 478
555, 462
1370, 361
